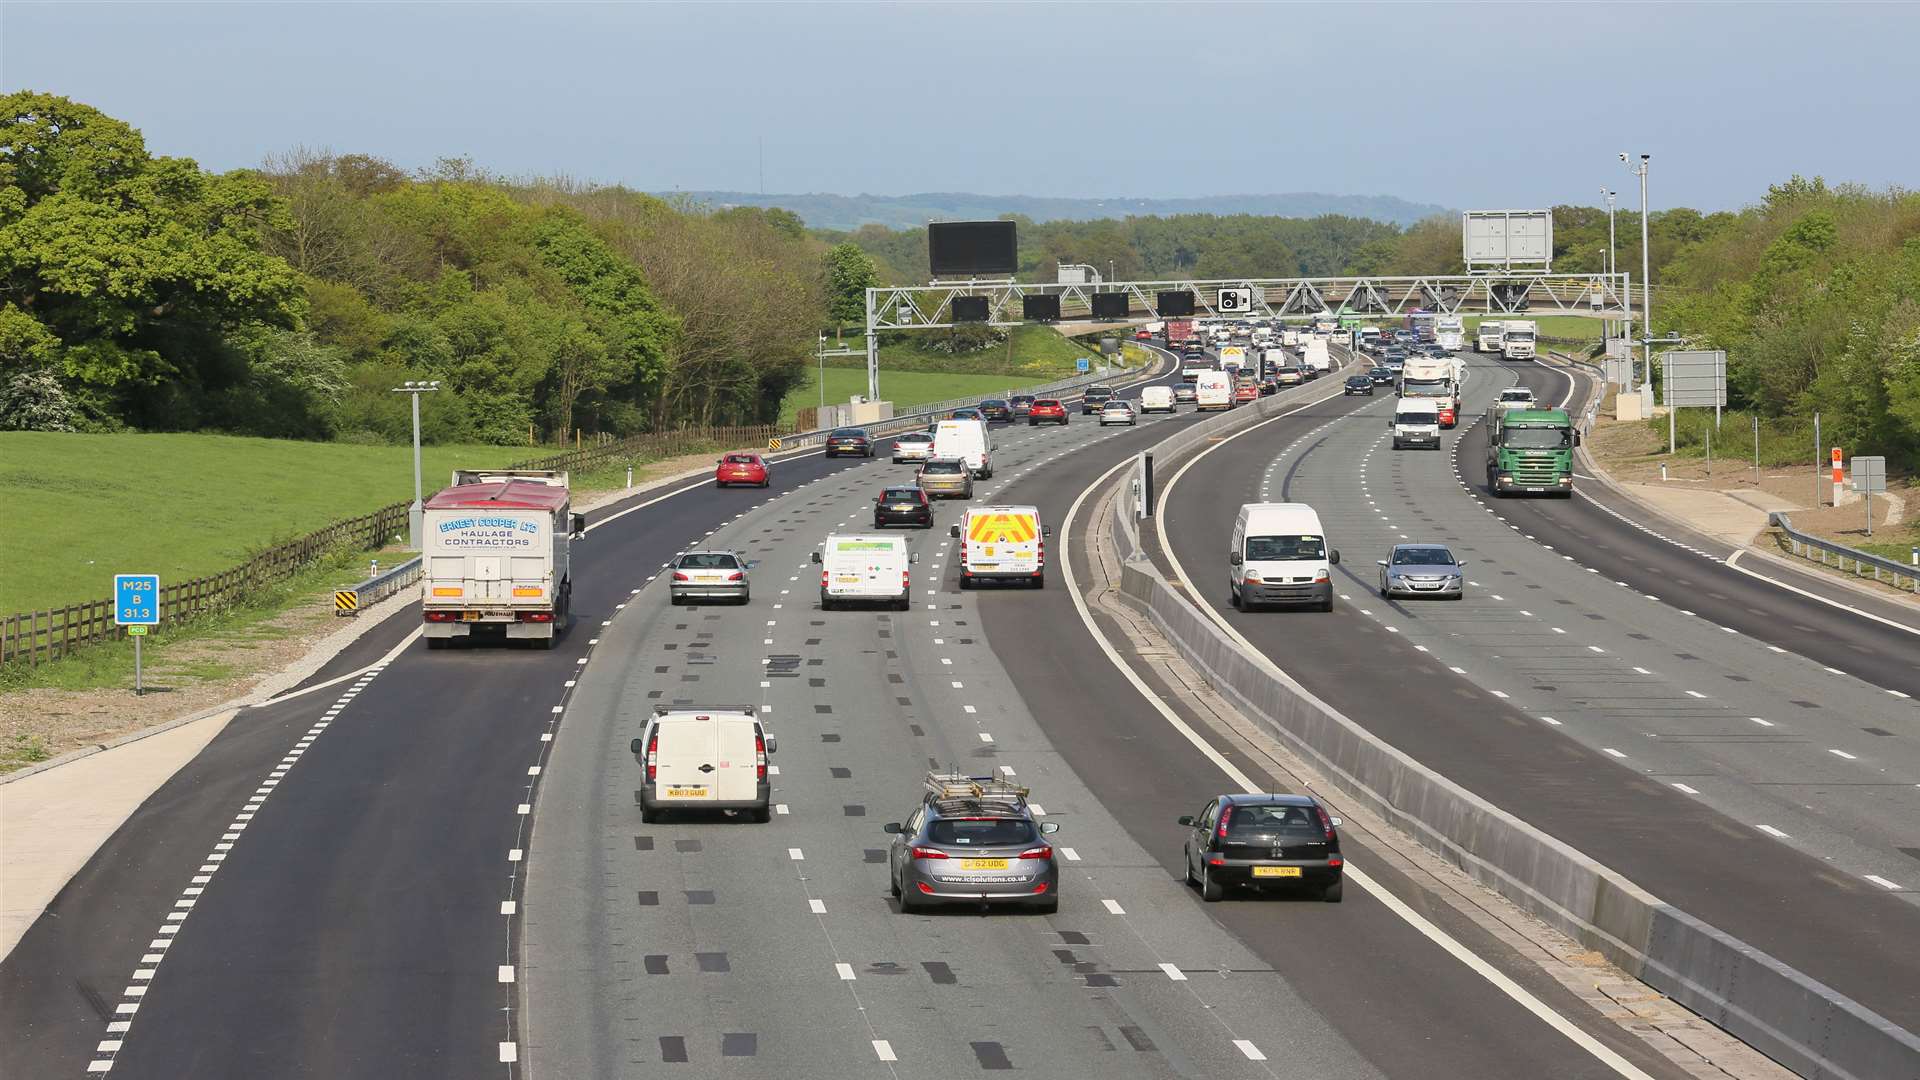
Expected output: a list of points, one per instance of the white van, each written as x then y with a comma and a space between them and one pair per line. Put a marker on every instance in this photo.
1156, 399
1280, 556
1002, 543
1316, 355
1416, 422
865, 568
704, 758
1213, 390
967, 440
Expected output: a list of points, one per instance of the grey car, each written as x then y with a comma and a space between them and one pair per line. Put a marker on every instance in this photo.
709, 575
1422, 570
975, 842
913, 446
947, 478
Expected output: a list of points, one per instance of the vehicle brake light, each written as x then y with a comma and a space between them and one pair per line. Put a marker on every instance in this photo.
1326, 823
680, 575
1044, 851
535, 616
1040, 888
1216, 860
737, 575
653, 756
442, 616
924, 887
1336, 861
759, 755
928, 853
1226, 815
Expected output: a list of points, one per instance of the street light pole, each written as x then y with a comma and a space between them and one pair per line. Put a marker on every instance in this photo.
416, 511
1612, 261
822, 351
1646, 271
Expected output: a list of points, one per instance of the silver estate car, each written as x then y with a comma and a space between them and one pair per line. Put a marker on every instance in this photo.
976, 842
1117, 411
913, 446
1422, 570
946, 478
709, 575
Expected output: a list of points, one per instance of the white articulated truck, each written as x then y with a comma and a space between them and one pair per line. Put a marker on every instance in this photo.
497, 557
1429, 377
1450, 332
1487, 340
1516, 339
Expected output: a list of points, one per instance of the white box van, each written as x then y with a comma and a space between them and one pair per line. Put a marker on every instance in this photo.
1213, 390
1002, 543
1316, 355
865, 568
1280, 556
1416, 422
704, 758
967, 440
1156, 399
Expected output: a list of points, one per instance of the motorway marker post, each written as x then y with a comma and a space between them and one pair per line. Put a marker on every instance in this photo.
136, 606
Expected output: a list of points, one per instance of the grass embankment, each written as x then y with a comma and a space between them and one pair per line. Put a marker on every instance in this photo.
1559, 327
913, 374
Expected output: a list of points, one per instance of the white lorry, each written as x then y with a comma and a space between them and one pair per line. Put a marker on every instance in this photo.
1487, 339
1290, 337
1002, 543
704, 757
496, 559
1213, 390
1516, 339
1450, 332
1434, 378
868, 569
1316, 356
967, 440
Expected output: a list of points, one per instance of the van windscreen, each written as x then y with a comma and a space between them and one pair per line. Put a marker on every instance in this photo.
1283, 548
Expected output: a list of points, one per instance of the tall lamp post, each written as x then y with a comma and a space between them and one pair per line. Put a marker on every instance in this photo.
1646, 268
1612, 261
822, 351
416, 514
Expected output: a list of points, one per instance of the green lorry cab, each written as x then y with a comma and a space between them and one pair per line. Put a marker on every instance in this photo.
1530, 450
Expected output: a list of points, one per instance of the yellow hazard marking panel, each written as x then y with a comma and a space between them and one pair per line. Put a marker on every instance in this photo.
1003, 528
346, 601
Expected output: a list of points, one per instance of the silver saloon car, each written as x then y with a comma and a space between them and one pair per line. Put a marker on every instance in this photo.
709, 575
1429, 570
1116, 411
913, 446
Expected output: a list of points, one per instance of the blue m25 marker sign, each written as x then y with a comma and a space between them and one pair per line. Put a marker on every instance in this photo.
136, 599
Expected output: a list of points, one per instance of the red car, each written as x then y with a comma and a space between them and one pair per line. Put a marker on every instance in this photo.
1143, 335
742, 469
1245, 390
1046, 410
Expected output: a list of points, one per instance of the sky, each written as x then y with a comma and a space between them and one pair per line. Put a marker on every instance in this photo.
1465, 105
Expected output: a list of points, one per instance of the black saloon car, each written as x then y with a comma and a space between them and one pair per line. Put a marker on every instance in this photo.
1381, 376
1258, 841
1358, 384
849, 440
996, 411
902, 506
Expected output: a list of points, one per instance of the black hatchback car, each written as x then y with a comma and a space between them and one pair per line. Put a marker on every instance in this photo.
902, 506
1358, 384
1381, 376
849, 440
1260, 841
996, 411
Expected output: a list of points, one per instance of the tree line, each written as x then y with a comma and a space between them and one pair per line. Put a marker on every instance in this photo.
140, 291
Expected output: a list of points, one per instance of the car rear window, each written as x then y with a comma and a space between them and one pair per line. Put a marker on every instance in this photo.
850, 432
1049, 403
903, 494
740, 459
942, 467
993, 403
709, 561
1297, 820
984, 832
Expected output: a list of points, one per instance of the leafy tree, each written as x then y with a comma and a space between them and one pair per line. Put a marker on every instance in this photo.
850, 273
33, 400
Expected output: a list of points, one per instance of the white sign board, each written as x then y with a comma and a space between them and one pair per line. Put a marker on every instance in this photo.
1235, 301
1870, 474
1506, 239
1694, 378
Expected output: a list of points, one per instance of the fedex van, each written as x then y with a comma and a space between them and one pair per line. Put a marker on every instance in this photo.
967, 440
1002, 543
704, 758
1213, 390
872, 569
1280, 556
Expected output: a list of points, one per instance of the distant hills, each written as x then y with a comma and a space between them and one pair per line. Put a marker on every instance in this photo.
846, 212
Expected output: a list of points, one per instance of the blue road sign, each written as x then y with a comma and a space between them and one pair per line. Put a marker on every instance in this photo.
136, 599
1083, 364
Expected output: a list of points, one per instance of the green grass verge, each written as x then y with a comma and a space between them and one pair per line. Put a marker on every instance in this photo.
110, 664
82, 508
1570, 327
912, 374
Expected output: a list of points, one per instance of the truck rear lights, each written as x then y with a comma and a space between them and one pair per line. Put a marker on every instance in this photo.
443, 616
528, 590
1216, 860
653, 756
534, 616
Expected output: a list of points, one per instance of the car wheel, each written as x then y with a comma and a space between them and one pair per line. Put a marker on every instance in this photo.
826, 602
908, 905
1186, 863
1233, 597
1326, 605
1049, 906
719, 483
649, 817
543, 644
766, 483
893, 885
762, 814
1210, 890
966, 582
746, 598
1331, 894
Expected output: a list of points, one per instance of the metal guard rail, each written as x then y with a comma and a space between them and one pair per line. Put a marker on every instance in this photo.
1804, 545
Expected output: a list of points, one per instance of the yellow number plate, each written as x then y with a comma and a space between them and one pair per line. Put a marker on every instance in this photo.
847, 579
1276, 871
983, 864
686, 793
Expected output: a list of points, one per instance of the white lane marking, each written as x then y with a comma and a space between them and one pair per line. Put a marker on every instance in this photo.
1595, 648
1880, 881
1642, 671
1842, 754
817, 906
1762, 723
884, 1050
1498, 693
1174, 973
1695, 693
509, 1052
1519, 994
780, 808
845, 971
986, 737
1611, 751
1771, 831
1686, 789
1251, 1051
1457, 670
795, 854
509, 907
1070, 854
506, 973
1113, 907
1551, 720
1733, 559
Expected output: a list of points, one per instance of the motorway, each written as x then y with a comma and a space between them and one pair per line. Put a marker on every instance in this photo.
1608, 686
436, 867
